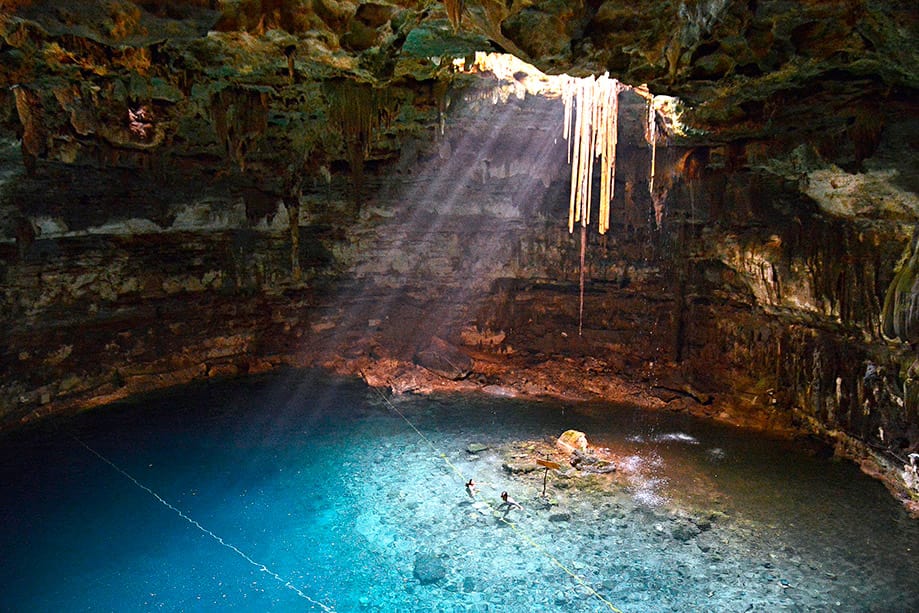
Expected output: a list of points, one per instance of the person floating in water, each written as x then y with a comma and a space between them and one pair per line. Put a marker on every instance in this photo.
470, 488
509, 503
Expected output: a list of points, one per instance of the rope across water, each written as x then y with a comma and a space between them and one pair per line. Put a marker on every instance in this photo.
517, 529
197, 525
329, 609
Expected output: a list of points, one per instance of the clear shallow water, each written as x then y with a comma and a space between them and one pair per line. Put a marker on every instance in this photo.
328, 488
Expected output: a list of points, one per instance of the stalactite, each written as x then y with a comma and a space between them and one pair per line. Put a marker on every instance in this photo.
357, 110
34, 140
292, 202
591, 127
581, 277
240, 118
454, 10
290, 51
652, 137
607, 150
900, 315
693, 165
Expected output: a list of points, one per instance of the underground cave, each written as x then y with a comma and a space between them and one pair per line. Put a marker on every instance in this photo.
281, 278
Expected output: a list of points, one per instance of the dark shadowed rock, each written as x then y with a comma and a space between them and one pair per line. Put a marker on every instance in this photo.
590, 463
685, 531
428, 568
444, 359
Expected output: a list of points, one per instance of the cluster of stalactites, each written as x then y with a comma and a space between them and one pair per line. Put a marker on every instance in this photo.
358, 110
454, 10
591, 129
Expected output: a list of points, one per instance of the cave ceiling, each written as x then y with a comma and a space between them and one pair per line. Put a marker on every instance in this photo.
252, 82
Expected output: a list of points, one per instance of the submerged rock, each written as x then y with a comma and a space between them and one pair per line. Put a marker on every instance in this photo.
684, 531
428, 568
519, 468
590, 463
476, 447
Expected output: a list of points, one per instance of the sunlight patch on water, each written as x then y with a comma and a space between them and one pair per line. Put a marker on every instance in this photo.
679, 437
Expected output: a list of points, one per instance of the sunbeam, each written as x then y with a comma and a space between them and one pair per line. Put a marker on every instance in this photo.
508, 305
411, 248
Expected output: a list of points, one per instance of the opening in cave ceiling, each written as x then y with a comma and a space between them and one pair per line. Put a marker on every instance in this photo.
591, 127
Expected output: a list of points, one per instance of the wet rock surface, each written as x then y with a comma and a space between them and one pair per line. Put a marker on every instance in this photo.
591, 463
572, 441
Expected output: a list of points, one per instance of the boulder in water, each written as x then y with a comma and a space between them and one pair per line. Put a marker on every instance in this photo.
571, 441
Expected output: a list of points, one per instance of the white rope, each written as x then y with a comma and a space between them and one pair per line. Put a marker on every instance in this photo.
193, 522
517, 530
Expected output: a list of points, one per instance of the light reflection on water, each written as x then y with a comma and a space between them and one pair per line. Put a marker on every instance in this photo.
333, 492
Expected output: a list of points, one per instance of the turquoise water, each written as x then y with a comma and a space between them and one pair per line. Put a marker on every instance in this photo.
325, 498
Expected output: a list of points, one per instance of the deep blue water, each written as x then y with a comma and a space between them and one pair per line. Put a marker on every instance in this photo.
323, 497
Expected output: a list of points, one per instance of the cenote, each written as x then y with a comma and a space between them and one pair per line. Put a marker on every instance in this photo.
302, 492
292, 291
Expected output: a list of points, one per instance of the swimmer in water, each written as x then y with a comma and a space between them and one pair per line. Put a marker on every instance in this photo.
470, 488
509, 503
